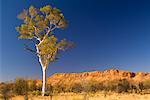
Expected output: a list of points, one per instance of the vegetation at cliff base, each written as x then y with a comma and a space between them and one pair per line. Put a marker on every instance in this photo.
25, 87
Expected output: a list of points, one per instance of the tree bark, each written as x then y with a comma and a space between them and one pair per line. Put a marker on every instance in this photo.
43, 72
44, 80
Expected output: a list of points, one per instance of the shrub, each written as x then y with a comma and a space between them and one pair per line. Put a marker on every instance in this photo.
36, 93
118, 86
39, 87
146, 84
4, 91
49, 89
133, 88
100, 86
110, 86
123, 86
76, 88
68, 88
47, 93
21, 86
32, 85
59, 88
141, 86
94, 86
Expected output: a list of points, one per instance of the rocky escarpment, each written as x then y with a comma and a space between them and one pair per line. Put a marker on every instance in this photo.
99, 76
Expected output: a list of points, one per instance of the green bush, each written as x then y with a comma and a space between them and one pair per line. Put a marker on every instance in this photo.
141, 86
110, 86
49, 89
68, 88
4, 91
36, 93
146, 84
39, 87
58, 88
134, 88
118, 86
77, 88
47, 93
100, 86
32, 85
123, 86
93, 86
21, 86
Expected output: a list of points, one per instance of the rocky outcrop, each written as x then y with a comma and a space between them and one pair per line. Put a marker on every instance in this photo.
105, 76
100, 76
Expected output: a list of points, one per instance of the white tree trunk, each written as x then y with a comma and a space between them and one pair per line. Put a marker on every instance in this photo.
44, 80
43, 72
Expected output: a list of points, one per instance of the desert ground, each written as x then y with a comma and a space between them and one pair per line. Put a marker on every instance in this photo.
96, 96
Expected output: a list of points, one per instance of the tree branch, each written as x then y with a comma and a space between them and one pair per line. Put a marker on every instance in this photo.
35, 35
50, 29
31, 50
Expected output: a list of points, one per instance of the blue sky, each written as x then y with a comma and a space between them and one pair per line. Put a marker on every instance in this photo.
107, 33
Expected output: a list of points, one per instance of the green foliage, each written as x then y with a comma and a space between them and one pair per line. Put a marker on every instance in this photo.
118, 86
5, 91
49, 48
39, 24
94, 87
141, 86
123, 86
25, 31
46, 9
62, 24
39, 87
36, 93
49, 88
58, 88
39, 21
91, 86
77, 88
32, 11
39, 18
23, 15
32, 85
47, 93
146, 84
21, 86
136, 88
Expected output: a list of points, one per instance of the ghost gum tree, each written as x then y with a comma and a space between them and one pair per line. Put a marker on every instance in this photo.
39, 25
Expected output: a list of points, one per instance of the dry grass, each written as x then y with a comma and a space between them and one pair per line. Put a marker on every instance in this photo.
96, 96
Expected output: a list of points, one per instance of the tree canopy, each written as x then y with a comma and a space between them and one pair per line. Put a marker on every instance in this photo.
39, 24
